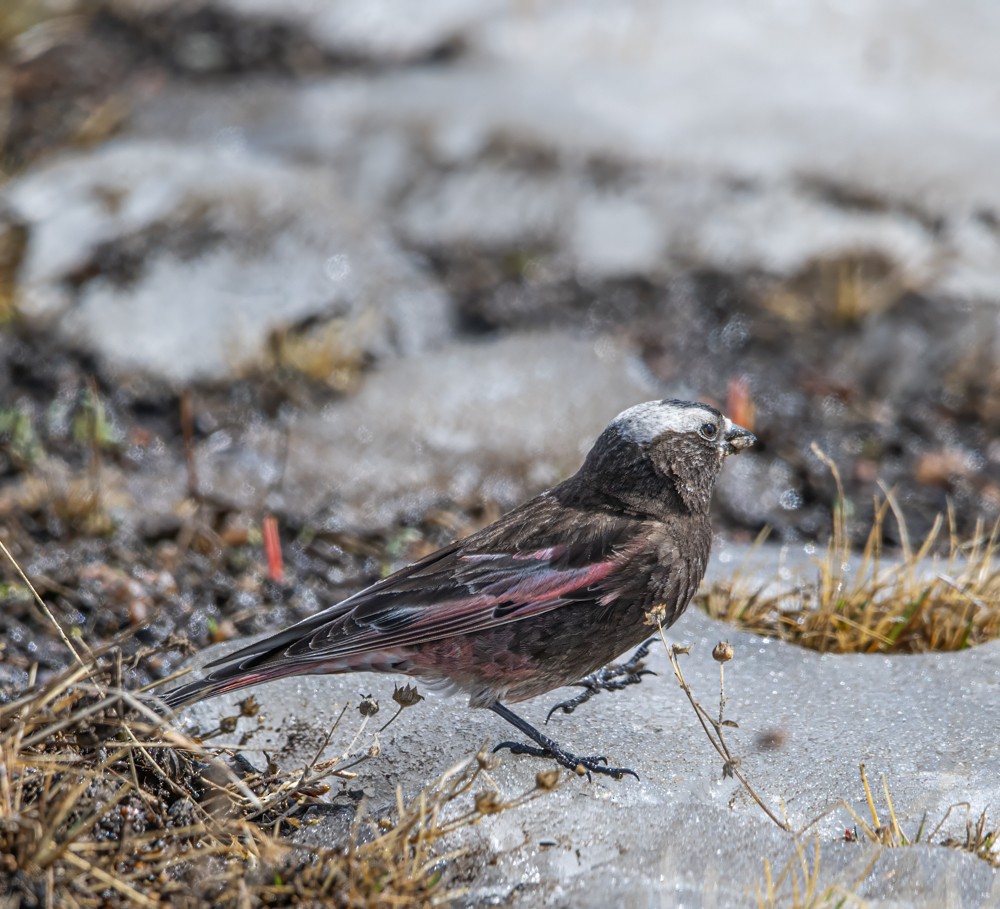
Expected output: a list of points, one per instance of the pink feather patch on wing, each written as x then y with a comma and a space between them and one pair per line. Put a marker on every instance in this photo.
546, 584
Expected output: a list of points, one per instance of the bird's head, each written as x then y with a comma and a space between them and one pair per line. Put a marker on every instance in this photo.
666, 452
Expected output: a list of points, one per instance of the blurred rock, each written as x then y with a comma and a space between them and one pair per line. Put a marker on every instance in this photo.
180, 263
491, 421
684, 834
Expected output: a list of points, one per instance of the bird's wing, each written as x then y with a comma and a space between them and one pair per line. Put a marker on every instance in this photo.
453, 591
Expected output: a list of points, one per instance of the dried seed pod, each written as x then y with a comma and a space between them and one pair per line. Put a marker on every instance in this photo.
486, 760
406, 696
723, 652
657, 614
546, 780
489, 802
228, 724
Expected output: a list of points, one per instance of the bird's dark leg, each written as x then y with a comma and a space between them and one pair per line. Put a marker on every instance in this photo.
549, 748
612, 677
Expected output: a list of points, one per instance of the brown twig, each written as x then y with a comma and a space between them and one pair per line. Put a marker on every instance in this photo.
187, 432
713, 729
44, 606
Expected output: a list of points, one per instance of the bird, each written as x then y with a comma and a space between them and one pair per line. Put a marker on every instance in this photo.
550, 592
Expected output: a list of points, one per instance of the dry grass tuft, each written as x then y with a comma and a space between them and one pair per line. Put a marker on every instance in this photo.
911, 605
978, 839
102, 804
797, 884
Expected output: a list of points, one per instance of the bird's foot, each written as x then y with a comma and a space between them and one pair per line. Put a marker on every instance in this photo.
612, 677
595, 763
545, 747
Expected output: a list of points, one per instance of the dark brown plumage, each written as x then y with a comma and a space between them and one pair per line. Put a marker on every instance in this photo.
553, 590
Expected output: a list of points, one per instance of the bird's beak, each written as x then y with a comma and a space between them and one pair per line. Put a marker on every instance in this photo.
736, 439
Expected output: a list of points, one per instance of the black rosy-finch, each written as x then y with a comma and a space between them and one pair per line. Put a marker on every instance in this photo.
552, 591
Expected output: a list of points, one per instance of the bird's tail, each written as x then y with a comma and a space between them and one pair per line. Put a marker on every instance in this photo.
232, 678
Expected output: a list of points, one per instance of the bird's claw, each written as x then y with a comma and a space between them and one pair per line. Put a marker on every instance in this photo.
617, 772
595, 763
613, 677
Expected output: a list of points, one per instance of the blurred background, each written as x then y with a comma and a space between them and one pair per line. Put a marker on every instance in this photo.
378, 270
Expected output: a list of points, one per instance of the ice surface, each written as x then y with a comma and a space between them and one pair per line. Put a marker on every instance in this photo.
683, 835
228, 246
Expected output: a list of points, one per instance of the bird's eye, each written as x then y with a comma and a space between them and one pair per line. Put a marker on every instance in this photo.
709, 431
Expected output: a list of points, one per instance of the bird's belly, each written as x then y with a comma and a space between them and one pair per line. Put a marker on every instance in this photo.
521, 660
